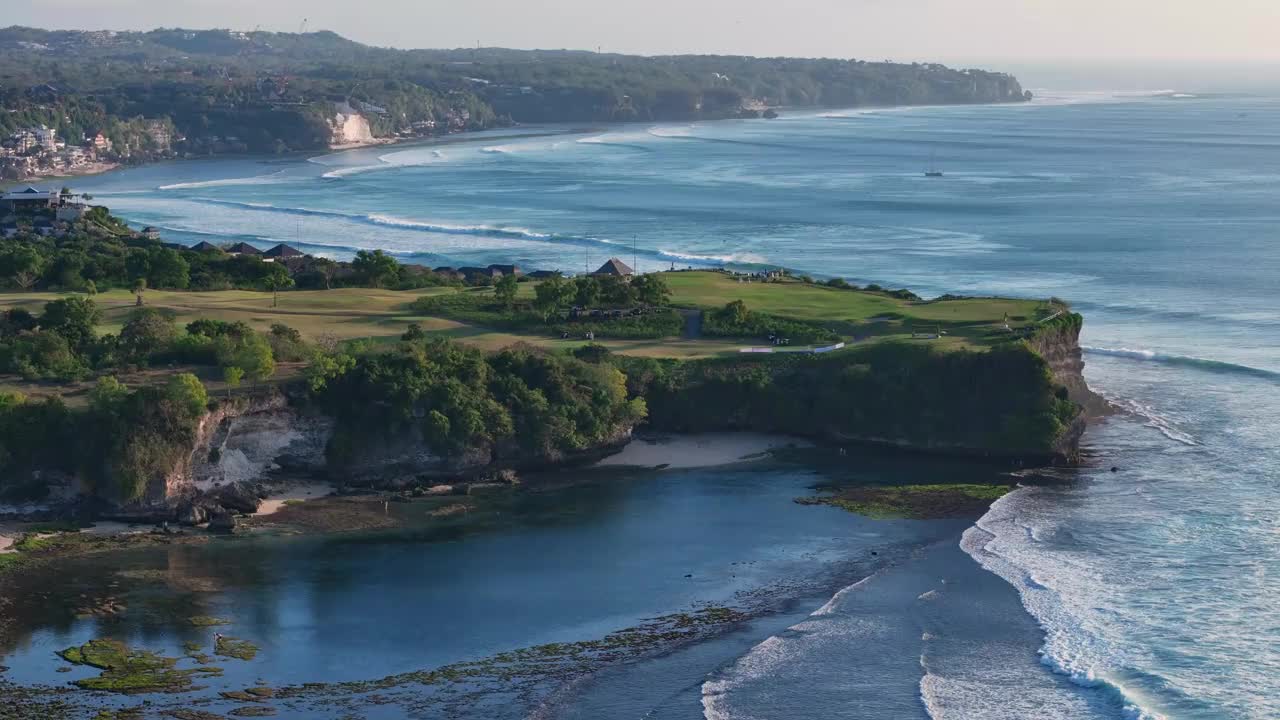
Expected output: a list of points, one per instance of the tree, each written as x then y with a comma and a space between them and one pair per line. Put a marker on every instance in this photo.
73, 318
375, 267
651, 289
139, 287
414, 333
107, 395
232, 375
552, 294
277, 279
187, 394
23, 265
167, 269
735, 313
147, 332
586, 290
250, 352
505, 290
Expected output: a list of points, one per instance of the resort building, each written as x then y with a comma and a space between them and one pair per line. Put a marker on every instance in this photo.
282, 252
242, 248
29, 199
616, 268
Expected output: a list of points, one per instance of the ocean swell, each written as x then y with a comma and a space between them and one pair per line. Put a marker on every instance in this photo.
997, 542
1207, 364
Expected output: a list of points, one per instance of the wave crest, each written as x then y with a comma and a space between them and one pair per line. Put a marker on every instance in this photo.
1192, 361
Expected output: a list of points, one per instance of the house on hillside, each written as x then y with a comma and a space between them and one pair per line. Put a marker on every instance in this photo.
616, 268
282, 252
242, 248
474, 273
29, 199
505, 270
204, 246
151, 233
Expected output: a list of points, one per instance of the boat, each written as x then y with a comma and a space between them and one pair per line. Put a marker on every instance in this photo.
933, 170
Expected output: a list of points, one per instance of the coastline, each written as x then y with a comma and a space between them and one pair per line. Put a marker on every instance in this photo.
571, 127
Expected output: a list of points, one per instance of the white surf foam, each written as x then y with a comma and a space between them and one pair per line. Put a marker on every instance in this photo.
1072, 649
226, 182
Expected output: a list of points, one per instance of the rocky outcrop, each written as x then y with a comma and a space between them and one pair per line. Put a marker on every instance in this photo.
1059, 345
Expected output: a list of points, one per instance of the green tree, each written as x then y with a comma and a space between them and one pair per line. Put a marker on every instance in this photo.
75, 319
376, 267
187, 394
139, 287
250, 352
586, 291
232, 376
23, 265
552, 294
107, 395
277, 279
147, 332
167, 269
505, 290
651, 289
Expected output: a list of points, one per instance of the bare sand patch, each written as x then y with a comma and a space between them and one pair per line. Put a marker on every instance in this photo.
695, 451
296, 493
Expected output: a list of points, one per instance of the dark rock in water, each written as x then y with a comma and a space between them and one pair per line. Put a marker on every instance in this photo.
223, 522
239, 497
1115, 469
689, 575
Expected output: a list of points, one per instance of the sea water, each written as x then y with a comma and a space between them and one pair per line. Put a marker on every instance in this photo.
1145, 592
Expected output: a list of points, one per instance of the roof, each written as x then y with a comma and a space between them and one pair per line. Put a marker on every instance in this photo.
505, 269
205, 246
445, 269
243, 248
543, 274
283, 251
614, 267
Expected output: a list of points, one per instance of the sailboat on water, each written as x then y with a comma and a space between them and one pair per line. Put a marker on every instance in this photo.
933, 170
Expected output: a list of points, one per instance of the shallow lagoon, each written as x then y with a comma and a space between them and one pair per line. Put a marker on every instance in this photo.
558, 566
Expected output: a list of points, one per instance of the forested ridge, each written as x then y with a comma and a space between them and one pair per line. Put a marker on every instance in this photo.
273, 92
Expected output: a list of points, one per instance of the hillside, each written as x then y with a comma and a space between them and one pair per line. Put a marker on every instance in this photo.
226, 91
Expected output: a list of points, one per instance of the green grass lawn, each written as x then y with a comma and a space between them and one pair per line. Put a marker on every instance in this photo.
349, 313
972, 322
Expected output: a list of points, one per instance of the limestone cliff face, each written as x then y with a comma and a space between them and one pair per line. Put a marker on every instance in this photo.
350, 127
1060, 347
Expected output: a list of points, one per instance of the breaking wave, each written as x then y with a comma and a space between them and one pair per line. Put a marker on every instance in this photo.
1191, 361
226, 182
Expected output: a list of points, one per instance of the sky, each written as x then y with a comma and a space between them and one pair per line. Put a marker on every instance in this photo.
1152, 34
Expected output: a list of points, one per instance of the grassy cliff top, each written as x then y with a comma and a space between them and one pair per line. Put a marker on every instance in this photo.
968, 322
349, 313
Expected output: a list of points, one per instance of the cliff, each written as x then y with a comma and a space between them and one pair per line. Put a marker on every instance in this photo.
1022, 401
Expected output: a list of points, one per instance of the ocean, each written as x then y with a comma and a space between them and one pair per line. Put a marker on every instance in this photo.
1147, 592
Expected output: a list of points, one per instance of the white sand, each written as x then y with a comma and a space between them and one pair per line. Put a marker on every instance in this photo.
276, 501
695, 451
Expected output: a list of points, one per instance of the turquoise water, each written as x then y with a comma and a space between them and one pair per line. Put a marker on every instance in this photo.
1149, 591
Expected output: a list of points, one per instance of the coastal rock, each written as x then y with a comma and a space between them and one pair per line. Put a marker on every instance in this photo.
193, 514
223, 522
241, 498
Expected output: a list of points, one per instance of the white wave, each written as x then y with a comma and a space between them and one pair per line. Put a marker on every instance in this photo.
741, 258
226, 182
1183, 360
1162, 424
353, 170
1071, 648
671, 131
497, 149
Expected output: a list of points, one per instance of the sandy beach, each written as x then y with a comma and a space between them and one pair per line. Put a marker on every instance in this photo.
698, 451
296, 493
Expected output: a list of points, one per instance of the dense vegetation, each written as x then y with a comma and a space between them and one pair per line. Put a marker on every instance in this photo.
738, 321
1003, 400
608, 307
458, 400
99, 252
122, 441
271, 92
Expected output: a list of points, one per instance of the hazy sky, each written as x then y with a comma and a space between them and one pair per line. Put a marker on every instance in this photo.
956, 31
